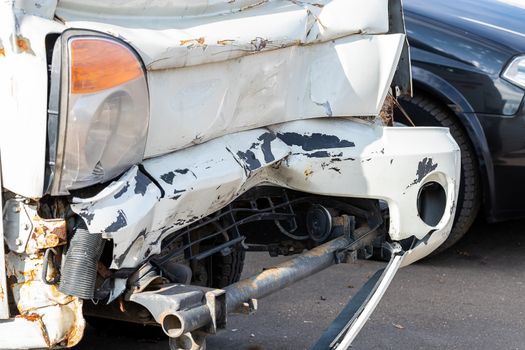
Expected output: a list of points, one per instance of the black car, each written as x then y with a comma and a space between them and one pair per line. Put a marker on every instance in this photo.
468, 66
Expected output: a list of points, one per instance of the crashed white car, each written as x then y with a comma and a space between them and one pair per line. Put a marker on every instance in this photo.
147, 145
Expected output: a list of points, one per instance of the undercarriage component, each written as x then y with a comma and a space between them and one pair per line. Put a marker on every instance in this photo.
293, 270
180, 309
319, 223
190, 311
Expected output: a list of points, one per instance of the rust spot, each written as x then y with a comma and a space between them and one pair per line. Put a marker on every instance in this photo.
47, 233
30, 275
52, 240
2, 52
30, 317
308, 172
225, 42
75, 334
103, 271
38, 232
121, 305
193, 42
24, 45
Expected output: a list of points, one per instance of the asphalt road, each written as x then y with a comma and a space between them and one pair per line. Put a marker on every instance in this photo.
471, 297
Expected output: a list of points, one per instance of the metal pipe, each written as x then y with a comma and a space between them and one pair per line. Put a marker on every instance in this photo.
178, 323
284, 274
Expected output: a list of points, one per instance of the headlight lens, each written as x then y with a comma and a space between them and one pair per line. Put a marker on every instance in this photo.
103, 112
515, 71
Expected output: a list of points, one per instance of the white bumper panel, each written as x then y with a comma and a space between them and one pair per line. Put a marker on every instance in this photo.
323, 156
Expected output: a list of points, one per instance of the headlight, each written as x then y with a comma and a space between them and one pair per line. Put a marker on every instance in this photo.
103, 111
515, 71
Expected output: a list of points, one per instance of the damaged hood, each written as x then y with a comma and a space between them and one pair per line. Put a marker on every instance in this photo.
217, 67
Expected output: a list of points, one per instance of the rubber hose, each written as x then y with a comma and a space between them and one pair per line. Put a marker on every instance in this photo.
79, 271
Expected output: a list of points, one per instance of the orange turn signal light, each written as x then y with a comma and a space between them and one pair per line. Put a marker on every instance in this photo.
100, 64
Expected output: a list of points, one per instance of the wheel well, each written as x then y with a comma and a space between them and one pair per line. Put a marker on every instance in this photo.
446, 104
449, 105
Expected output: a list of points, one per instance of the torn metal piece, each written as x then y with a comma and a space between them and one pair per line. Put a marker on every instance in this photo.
58, 316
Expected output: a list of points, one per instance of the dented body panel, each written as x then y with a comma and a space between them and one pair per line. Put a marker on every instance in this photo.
337, 158
279, 60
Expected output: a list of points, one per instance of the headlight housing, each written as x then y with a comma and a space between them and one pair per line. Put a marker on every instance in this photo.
515, 71
98, 111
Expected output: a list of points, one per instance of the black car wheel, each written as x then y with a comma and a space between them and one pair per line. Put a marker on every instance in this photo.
425, 111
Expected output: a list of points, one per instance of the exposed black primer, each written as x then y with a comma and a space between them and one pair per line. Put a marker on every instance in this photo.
425, 167
122, 191
266, 146
250, 159
314, 142
119, 222
141, 184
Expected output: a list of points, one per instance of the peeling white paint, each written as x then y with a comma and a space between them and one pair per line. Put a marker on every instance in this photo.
349, 160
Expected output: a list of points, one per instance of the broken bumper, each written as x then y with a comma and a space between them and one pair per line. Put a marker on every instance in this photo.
344, 158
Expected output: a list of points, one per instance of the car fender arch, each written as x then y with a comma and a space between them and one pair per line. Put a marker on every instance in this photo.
448, 95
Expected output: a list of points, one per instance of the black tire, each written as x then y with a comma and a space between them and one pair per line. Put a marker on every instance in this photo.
426, 111
226, 270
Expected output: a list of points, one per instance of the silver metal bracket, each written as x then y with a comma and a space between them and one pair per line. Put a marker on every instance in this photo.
182, 309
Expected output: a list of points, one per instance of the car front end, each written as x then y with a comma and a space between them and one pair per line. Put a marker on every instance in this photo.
144, 149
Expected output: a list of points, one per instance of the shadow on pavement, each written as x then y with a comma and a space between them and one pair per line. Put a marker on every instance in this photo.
500, 245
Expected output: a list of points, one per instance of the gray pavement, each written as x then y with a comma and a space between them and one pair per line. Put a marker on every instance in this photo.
471, 297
